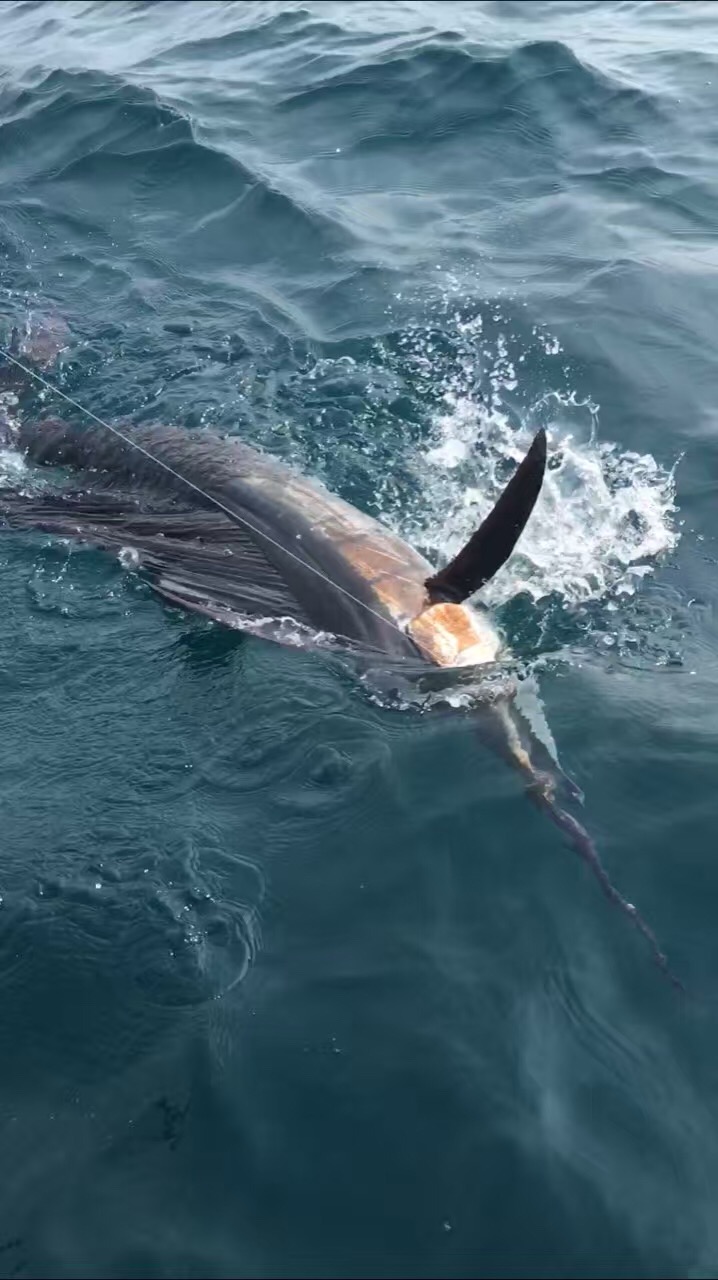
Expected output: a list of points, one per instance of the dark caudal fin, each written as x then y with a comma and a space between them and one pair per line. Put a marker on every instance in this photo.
490, 547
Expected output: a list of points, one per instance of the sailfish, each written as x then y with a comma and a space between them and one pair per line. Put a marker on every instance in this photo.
223, 530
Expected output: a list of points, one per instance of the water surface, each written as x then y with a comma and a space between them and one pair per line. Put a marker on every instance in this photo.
294, 983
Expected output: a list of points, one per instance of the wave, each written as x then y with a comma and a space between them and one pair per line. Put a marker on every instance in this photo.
435, 85
87, 144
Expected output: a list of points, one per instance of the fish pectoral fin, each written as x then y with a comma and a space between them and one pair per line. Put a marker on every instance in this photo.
200, 559
490, 547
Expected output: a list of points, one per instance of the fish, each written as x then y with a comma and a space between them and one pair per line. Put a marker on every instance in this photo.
227, 531
234, 533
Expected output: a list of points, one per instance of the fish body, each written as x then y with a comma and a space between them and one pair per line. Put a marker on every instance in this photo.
265, 537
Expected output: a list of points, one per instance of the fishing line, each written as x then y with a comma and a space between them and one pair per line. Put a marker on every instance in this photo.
237, 519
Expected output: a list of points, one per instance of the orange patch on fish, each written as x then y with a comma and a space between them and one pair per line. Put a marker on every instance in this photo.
453, 635
394, 579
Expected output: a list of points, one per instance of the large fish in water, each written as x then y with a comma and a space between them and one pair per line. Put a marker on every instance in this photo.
222, 530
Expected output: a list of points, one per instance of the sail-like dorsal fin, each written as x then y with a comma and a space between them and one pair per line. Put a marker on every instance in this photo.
490, 547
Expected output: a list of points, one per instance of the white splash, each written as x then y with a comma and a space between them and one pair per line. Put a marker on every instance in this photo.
13, 468
603, 517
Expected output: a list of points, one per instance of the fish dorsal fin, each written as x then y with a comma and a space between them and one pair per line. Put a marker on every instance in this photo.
490, 547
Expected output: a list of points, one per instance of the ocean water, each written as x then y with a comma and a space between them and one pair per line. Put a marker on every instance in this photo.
294, 982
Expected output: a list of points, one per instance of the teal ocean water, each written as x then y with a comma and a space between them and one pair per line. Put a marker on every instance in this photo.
293, 981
